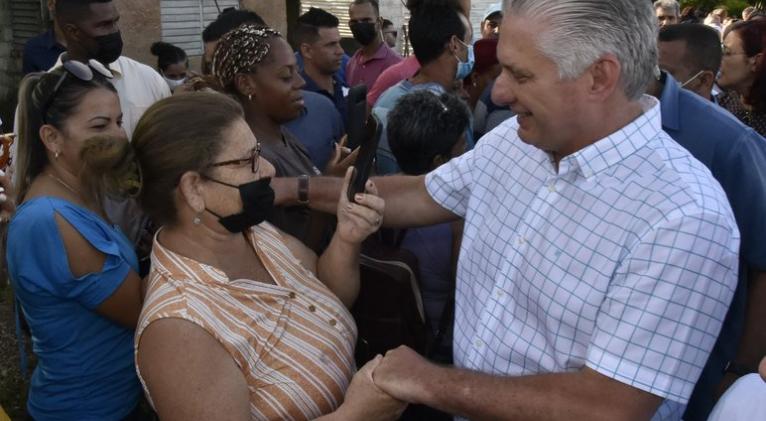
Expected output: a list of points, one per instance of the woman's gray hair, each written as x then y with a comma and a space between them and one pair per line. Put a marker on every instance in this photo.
582, 31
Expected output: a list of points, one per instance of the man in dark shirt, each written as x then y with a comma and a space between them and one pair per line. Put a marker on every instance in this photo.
318, 39
42, 51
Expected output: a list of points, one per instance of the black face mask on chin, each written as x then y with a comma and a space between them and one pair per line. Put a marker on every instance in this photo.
109, 48
257, 205
364, 32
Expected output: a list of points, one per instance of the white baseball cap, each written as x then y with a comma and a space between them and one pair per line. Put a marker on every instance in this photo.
492, 9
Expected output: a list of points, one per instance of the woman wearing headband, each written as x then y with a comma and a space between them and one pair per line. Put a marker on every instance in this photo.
257, 67
73, 272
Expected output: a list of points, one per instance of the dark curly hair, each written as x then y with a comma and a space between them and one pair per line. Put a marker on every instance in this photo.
424, 125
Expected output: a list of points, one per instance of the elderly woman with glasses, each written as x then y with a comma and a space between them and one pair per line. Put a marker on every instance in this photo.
242, 321
73, 272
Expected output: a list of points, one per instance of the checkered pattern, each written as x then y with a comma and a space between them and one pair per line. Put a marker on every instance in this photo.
625, 260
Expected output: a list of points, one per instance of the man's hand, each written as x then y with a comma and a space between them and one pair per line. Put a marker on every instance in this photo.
402, 372
365, 401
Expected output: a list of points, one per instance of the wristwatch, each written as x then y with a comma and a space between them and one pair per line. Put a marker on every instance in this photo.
738, 369
303, 190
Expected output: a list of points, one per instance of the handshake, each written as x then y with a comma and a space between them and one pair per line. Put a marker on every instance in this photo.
382, 388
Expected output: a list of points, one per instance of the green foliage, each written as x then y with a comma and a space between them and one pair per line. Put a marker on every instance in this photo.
734, 7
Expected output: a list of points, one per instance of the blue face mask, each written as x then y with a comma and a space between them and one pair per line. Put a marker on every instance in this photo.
464, 68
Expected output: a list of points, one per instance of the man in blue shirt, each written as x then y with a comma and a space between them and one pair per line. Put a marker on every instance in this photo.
691, 52
318, 39
318, 128
736, 155
42, 51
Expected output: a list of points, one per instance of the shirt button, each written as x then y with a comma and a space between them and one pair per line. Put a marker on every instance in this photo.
312, 308
333, 322
499, 294
551, 188
521, 240
292, 295
477, 342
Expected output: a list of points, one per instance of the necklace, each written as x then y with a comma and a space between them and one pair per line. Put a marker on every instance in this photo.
68, 187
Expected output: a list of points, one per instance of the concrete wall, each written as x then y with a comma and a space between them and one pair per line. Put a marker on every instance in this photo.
140, 26
10, 68
274, 12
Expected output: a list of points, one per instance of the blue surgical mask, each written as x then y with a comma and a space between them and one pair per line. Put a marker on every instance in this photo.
464, 68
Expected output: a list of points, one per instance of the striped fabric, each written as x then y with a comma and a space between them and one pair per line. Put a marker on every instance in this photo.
293, 341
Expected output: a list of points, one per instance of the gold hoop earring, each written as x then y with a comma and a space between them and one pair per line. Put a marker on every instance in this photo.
196, 220
250, 97
56, 155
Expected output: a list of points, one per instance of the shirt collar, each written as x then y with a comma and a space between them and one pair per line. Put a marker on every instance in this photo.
614, 148
382, 52
49, 40
670, 103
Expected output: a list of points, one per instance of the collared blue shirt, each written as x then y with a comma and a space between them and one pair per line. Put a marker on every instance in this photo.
736, 155
318, 128
41, 53
336, 96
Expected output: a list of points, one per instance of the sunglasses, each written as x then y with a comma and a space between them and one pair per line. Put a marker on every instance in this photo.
81, 71
252, 160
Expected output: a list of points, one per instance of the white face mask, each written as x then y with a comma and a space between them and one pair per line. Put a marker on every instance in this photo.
692, 78
174, 83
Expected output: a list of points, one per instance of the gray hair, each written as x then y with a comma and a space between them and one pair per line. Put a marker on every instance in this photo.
668, 5
582, 31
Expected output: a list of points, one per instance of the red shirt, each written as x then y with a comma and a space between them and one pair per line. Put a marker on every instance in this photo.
365, 71
393, 75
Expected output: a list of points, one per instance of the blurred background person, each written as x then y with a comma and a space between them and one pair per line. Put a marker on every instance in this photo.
172, 63
374, 56
691, 53
42, 51
389, 33
743, 73
490, 24
668, 12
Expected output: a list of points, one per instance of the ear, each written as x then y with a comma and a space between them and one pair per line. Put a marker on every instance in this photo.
51, 138
755, 62
604, 77
707, 78
70, 31
244, 84
305, 50
190, 191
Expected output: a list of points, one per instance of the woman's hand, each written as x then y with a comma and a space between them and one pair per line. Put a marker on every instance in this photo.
357, 220
365, 401
342, 158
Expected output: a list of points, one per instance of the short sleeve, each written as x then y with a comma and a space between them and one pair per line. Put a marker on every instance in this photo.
450, 184
666, 304
39, 259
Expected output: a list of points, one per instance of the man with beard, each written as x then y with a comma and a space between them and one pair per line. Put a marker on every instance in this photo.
374, 56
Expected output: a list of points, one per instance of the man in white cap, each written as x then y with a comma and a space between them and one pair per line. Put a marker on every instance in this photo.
490, 25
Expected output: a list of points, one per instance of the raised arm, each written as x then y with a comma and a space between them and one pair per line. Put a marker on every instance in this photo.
408, 203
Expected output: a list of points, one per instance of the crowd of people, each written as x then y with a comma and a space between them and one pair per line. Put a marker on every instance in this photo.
583, 184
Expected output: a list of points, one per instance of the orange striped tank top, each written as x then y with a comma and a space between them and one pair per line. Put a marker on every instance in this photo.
294, 341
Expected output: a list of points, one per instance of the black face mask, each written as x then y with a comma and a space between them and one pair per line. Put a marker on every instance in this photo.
257, 201
364, 32
109, 48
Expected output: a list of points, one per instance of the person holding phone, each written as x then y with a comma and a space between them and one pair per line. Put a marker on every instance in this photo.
241, 320
256, 65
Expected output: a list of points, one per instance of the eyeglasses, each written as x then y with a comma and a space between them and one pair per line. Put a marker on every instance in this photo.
253, 160
727, 52
79, 70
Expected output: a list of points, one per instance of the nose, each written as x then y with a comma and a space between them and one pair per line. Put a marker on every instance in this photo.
502, 91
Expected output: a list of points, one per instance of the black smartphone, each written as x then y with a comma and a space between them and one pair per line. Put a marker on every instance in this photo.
366, 158
356, 115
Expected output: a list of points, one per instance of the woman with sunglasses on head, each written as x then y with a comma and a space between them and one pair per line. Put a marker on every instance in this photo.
743, 73
242, 321
257, 67
73, 272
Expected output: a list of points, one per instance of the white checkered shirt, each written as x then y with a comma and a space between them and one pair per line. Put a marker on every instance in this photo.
625, 260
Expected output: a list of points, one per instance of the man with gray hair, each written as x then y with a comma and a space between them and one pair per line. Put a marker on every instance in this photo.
598, 257
668, 12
